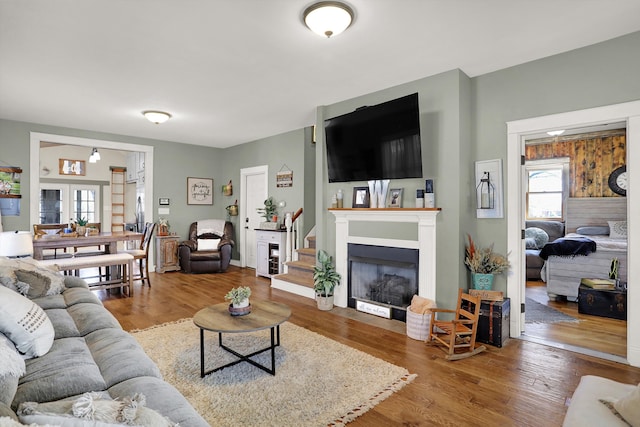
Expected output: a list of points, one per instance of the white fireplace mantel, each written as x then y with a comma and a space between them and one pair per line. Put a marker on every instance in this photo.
425, 243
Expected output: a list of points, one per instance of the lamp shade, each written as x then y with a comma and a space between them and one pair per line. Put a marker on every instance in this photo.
16, 243
328, 18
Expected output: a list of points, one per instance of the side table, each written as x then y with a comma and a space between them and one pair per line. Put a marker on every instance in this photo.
167, 253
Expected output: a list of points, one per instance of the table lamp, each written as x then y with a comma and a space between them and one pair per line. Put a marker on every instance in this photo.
16, 244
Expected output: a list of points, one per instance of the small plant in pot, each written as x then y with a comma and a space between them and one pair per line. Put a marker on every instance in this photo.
483, 264
325, 279
81, 226
270, 209
239, 298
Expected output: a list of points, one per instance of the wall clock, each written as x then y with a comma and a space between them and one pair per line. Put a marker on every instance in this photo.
618, 181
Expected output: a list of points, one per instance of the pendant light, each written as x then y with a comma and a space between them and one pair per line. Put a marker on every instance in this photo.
95, 156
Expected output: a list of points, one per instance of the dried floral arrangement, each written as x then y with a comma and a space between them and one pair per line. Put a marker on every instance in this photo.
484, 260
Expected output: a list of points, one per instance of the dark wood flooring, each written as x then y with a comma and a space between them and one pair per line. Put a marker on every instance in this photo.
521, 384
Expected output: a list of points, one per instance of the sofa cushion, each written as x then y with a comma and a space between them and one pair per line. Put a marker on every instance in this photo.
25, 323
91, 317
205, 256
555, 229
208, 244
68, 369
63, 323
109, 347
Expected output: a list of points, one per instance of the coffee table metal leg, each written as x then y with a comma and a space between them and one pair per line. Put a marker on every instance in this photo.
201, 353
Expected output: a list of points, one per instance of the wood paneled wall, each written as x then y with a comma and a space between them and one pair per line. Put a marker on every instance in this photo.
593, 158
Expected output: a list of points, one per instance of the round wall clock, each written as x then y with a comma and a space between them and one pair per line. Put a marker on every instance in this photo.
618, 181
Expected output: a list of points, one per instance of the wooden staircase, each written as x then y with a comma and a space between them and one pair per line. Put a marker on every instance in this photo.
299, 276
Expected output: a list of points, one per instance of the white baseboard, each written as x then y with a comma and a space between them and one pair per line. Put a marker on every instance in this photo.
293, 288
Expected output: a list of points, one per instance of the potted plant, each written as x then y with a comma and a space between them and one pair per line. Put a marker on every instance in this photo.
483, 264
239, 298
325, 279
81, 226
269, 209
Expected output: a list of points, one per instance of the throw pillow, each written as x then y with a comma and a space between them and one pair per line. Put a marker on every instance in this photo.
12, 368
593, 230
30, 278
629, 407
25, 323
208, 244
530, 243
618, 229
95, 408
539, 235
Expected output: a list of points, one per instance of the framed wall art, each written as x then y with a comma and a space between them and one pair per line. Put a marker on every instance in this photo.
360, 197
199, 191
71, 167
395, 198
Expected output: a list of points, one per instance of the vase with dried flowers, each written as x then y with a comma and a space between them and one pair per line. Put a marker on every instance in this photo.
483, 264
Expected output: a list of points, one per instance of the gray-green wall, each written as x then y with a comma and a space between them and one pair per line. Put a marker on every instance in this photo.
463, 120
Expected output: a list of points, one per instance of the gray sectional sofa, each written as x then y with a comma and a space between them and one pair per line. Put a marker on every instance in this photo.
90, 353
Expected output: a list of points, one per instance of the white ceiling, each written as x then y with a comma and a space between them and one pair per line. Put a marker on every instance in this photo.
232, 71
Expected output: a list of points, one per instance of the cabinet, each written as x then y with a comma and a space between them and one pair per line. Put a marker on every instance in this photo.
135, 167
167, 253
271, 245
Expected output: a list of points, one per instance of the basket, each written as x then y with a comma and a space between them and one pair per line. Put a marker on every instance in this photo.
418, 325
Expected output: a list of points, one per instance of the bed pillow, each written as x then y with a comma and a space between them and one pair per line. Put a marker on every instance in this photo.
618, 229
530, 243
539, 235
208, 244
593, 230
25, 323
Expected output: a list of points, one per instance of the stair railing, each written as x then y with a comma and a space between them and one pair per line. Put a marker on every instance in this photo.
292, 239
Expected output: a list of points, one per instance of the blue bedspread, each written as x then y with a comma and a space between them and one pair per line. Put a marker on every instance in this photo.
568, 247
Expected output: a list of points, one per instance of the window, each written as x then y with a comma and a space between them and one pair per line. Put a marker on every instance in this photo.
59, 203
547, 183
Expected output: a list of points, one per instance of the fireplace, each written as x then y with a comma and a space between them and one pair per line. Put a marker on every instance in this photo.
382, 277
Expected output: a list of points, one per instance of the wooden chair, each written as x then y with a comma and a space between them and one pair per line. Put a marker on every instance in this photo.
142, 254
51, 229
460, 332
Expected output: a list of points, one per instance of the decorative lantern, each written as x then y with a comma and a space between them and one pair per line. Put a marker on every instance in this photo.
486, 193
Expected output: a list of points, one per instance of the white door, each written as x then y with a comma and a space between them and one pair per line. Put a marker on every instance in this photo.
253, 187
62, 203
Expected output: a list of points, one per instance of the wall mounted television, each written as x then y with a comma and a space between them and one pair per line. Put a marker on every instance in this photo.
375, 142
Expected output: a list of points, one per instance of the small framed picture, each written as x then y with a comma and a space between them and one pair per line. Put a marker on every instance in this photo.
360, 197
395, 198
199, 191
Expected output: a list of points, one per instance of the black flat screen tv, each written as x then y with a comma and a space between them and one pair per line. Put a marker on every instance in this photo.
375, 142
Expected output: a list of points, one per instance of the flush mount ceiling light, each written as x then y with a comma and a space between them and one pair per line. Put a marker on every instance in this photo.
555, 132
95, 156
156, 117
328, 18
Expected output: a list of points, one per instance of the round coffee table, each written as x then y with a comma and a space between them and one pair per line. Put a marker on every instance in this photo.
264, 314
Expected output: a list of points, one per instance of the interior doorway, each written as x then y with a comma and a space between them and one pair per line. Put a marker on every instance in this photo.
558, 169
254, 191
517, 133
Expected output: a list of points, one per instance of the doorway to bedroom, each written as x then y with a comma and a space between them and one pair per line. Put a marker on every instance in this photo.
566, 190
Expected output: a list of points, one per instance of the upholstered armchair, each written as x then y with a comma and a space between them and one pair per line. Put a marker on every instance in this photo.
208, 248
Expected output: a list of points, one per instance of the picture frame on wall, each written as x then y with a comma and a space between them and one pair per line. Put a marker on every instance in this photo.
199, 191
361, 197
394, 199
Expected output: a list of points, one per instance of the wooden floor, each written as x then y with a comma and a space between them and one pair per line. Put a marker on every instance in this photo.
521, 384
596, 333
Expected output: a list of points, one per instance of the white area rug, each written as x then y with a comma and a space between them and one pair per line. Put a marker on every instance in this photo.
318, 381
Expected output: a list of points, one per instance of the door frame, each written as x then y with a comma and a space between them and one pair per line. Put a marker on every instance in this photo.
68, 189
244, 173
517, 131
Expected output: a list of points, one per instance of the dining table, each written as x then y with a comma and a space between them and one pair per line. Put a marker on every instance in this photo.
108, 240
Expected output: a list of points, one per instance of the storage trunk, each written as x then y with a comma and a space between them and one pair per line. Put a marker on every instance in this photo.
493, 324
602, 302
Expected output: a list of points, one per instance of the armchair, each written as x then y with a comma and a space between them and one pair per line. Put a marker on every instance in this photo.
208, 248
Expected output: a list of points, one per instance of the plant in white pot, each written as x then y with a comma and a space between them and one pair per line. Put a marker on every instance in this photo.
239, 298
325, 279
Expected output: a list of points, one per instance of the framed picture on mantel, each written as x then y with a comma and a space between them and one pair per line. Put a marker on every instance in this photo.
360, 197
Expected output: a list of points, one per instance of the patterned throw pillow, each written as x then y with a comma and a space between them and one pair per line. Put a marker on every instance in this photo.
539, 235
618, 229
25, 323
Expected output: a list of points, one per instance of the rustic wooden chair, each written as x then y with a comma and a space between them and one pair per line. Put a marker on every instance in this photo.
51, 229
142, 254
460, 332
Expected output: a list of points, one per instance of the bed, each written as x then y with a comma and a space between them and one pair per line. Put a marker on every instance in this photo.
562, 273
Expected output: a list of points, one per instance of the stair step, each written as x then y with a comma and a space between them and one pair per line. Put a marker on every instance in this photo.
312, 241
307, 255
298, 280
300, 269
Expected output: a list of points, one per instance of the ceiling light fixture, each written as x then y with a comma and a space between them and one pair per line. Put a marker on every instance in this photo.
555, 132
156, 117
95, 156
328, 18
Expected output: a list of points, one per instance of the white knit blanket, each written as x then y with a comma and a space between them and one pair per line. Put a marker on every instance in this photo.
215, 226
